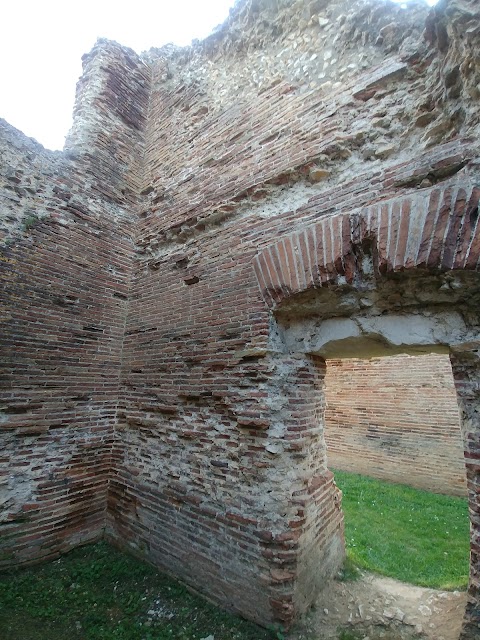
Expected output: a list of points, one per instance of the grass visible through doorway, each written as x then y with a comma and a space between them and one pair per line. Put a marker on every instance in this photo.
404, 533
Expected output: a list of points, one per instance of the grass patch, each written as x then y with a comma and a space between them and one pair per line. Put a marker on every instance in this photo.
408, 534
350, 571
346, 634
99, 593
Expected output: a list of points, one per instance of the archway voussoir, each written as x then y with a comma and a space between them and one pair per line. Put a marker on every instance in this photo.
473, 254
427, 233
399, 261
298, 259
339, 247
395, 208
416, 225
269, 280
456, 219
294, 280
311, 239
330, 257
372, 220
285, 255
440, 228
282, 275
269, 275
320, 276
350, 228
384, 223
307, 270
467, 232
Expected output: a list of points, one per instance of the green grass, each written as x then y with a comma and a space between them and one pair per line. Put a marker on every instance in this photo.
350, 571
346, 634
408, 534
99, 593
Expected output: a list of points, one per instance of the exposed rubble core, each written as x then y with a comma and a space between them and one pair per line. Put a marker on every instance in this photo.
304, 184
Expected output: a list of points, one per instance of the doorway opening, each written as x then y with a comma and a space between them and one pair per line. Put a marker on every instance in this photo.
394, 444
440, 340
396, 418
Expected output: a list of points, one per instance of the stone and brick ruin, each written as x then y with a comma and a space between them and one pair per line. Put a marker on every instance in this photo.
302, 186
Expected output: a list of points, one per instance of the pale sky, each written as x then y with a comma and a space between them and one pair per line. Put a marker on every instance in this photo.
42, 42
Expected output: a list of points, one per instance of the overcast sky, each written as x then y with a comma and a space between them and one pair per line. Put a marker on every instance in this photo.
42, 42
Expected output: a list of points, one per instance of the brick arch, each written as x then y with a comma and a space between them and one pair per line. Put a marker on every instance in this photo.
436, 229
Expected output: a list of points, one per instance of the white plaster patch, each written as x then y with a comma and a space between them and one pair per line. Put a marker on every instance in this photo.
375, 335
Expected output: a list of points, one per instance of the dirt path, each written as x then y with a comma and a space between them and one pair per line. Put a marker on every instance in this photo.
374, 607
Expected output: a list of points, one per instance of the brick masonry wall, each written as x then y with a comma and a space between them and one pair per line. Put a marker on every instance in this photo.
396, 418
465, 366
64, 271
208, 484
62, 325
219, 468
197, 190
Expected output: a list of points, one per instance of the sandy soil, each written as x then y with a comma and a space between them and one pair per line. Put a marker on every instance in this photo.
374, 607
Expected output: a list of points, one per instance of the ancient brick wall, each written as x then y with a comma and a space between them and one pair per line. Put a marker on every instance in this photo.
218, 473
190, 194
396, 418
64, 271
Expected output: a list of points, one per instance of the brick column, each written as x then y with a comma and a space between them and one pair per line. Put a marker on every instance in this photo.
310, 549
466, 373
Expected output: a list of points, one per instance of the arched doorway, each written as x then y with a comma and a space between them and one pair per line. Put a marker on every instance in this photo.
400, 277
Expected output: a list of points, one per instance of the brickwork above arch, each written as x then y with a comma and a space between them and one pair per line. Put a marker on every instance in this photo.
434, 229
